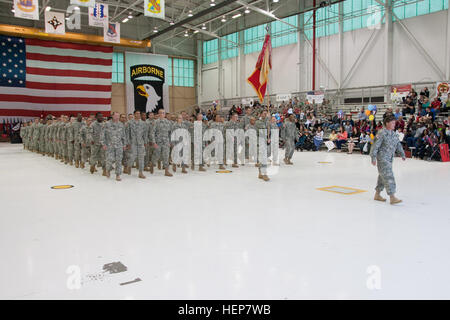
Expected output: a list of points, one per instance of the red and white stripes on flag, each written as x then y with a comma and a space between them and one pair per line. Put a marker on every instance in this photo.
61, 78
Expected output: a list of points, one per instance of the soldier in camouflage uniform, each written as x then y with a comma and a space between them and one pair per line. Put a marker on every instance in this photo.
137, 138
86, 142
289, 134
77, 125
150, 122
42, 137
382, 153
48, 143
219, 125
199, 121
234, 124
250, 126
63, 138
123, 119
160, 135
262, 131
70, 139
35, 135
113, 142
180, 124
97, 152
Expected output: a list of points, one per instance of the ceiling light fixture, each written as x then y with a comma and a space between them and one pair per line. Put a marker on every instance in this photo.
130, 17
171, 23
48, 8
125, 20
236, 16
196, 31
203, 27
212, 4
247, 10
190, 13
223, 19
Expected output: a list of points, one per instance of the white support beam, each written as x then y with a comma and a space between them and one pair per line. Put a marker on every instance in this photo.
341, 44
388, 49
447, 51
422, 50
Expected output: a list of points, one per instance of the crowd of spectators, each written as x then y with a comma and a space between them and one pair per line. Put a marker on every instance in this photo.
422, 125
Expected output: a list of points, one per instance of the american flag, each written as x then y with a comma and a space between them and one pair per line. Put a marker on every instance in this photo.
39, 77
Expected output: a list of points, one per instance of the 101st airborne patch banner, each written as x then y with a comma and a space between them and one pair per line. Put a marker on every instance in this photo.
154, 8
146, 82
26, 9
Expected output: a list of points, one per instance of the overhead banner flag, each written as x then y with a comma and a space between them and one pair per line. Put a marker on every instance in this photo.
26, 9
259, 78
315, 97
98, 15
154, 8
55, 22
146, 81
111, 32
83, 3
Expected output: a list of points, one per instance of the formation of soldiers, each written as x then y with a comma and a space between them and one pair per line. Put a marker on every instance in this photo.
143, 141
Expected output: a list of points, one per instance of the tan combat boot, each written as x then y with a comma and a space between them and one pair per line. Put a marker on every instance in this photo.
107, 174
201, 168
378, 197
104, 173
77, 164
159, 165
395, 200
92, 169
183, 170
151, 168
285, 160
235, 165
174, 168
222, 167
118, 178
265, 177
167, 173
71, 162
141, 175
82, 165
192, 166
289, 161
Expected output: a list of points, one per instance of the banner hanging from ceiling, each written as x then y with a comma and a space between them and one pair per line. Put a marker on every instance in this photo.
26, 9
83, 3
111, 32
146, 82
98, 15
55, 22
154, 8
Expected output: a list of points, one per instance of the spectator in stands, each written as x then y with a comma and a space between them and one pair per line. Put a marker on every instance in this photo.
342, 138
400, 123
425, 92
362, 116
318, 138
397, 113
364, 140
353, 140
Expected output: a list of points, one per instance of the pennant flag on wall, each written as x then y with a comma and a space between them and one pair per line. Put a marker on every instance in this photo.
55, 22
83, 3
111, 32
98, 15
260, 76
154, 8
26, 9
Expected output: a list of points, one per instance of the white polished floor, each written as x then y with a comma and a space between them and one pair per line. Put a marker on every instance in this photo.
223, 236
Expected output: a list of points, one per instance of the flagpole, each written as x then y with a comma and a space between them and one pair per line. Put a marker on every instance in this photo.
268, 96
